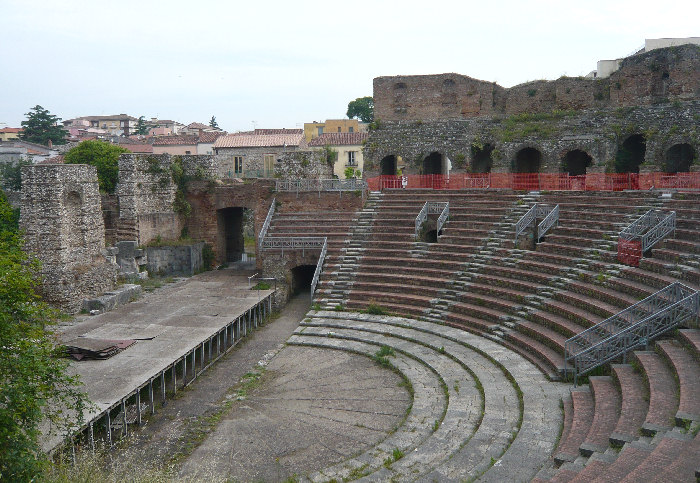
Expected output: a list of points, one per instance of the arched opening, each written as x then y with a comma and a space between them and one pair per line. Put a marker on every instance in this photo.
631, 154
432, 164
527, 160
576, 162
302, 276
387, 166
431, 236
482, 159
679, 157
230, 233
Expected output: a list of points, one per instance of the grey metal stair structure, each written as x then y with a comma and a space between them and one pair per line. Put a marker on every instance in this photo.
548, 215
631, 328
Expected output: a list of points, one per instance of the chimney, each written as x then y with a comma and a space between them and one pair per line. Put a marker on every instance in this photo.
50, 144
200, 132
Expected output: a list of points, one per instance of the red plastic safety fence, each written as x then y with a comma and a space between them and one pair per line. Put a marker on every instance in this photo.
629, 252
540, 181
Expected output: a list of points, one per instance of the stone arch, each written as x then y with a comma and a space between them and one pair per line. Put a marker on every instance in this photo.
575, 162
482, 158
434, 163
678, 158
74, 233
388, 165
631, 154
527, 160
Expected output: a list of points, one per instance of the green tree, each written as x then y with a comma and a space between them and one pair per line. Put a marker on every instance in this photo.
213, 123
103, 156
34, 385
42, 126
361, 108
11, 174
141, 126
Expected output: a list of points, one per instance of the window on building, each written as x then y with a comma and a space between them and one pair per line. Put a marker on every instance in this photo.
351, 129
238, 164
339, 129
188, 152
320, 130
351, 158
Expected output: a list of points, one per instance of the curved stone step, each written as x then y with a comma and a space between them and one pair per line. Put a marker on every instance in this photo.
581, 422
541, 417
429, 404
663, 401
687, 370
464, 408
606, 412
634, 406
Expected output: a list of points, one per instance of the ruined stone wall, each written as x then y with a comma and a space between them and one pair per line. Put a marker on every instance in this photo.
597, 132
62, 221
147, 194
650, 78
304, 164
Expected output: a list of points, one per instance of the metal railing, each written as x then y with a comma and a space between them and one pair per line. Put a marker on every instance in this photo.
552, 219
319, 267
642, 234
293, 243
432, 208
266, 223
633, 327
658, 232
549, 215
300, 185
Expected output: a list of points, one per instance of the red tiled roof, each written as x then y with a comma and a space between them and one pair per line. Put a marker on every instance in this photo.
175, 140
197, 125
13, 130
278, 131
241, 140
210, 137
138, 148
54, 160
339, 139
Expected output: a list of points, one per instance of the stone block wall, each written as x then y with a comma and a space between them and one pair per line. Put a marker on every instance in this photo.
304, 164
598, 132
62, 221
645, 79
175, 260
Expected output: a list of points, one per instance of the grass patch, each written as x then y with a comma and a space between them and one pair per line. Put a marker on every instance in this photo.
152, 283
396, 455
374, 309
261, 286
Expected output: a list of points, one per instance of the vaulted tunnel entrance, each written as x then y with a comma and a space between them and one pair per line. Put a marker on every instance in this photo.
679, 158
576, 162
432, 164
230, 223
527, 160
302, 276
631, 154
387, 166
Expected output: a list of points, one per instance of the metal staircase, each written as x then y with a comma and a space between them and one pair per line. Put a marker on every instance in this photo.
441, 208
548, 215
642, 234
633, 327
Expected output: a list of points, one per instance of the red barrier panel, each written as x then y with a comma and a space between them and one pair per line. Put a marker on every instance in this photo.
629, 252
540, 181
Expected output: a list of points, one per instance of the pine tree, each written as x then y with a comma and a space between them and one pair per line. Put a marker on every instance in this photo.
213, 123
141, 126
41, 127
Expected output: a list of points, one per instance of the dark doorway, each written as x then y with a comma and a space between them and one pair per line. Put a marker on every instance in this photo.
230, 223
481, 158
631, 154
575, 162
431, 236
679, 158
302, 276
527, 160
387, 166
432, 164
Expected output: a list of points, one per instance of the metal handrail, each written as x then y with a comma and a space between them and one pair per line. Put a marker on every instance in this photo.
525, 220
432, 208
642, 224
319, 267
420, 219
548, 222
312, 184
442, 219
293, 242
630, 328
657, 233
266, 223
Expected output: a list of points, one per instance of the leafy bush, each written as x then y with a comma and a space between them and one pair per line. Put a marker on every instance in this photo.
101, 155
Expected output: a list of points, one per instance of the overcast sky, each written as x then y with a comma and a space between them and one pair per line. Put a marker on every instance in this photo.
282, 63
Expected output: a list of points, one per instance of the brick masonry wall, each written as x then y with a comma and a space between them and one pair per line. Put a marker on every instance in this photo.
646, 79
62, 221
599, 132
